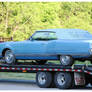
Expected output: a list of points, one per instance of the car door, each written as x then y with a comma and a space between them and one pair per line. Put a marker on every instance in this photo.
35, 48
31, 48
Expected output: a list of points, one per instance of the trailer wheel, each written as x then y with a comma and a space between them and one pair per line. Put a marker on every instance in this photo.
66, 60
52, 83
88, 79
44, 79
63, 80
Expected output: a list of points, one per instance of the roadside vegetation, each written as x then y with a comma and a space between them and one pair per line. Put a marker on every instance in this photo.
20, 19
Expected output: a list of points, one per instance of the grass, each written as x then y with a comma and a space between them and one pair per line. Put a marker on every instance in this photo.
30, 76
22, 76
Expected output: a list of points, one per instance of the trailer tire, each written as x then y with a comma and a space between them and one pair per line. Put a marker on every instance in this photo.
44, 79
52, 83
87, 79
63, 80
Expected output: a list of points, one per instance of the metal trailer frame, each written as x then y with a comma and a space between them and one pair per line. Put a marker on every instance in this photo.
80, 75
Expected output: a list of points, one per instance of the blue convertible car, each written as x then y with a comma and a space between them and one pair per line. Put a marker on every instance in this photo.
65, 45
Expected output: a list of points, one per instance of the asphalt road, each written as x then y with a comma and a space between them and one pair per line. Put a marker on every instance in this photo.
6, 84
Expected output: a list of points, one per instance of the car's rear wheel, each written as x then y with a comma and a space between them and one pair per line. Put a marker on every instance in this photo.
9, 57
41, 62
66, 60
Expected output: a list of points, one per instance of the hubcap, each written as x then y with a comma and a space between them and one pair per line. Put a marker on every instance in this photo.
9, 57
42, 78
65, 60
61, 79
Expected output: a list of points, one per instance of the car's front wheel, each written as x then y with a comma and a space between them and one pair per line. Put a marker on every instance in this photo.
66, 60
9, 57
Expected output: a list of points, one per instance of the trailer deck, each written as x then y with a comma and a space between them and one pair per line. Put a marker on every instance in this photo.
47, 67
76, 73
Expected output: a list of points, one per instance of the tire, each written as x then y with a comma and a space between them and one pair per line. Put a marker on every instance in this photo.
52, 84
88, 79
63, 80
66, 60
9, 57
41, 62
44, 79
90, 61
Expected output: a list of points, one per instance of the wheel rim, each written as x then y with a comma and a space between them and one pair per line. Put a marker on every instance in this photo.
65, 60
42, 78
61, 79
9, 57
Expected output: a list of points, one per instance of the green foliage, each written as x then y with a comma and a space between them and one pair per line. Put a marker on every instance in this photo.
21, 19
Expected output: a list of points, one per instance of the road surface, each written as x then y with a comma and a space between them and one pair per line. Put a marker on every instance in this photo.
6, 84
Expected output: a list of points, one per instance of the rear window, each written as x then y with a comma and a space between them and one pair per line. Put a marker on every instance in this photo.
74, 35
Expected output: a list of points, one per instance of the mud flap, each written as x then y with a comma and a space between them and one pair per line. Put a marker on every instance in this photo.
79, 78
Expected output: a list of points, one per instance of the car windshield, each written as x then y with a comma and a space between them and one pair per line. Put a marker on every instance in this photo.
44, 36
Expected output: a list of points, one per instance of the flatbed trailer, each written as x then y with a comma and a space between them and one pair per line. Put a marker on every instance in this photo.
54, 75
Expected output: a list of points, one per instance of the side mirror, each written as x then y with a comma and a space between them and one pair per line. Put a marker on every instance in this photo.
31, 39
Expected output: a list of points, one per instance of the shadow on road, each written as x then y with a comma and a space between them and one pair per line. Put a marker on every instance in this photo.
17, 81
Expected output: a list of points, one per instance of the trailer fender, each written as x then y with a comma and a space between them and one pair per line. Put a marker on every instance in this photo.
79, 78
